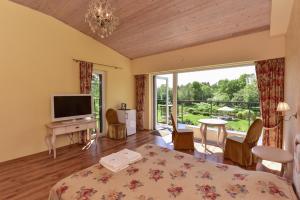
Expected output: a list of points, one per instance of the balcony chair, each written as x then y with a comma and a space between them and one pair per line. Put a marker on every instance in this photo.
238, 149
182, 139
116, 130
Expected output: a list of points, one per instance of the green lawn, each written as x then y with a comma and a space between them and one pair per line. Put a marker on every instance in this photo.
237, 125
188, 118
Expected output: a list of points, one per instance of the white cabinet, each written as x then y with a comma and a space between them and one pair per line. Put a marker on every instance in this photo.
128, 117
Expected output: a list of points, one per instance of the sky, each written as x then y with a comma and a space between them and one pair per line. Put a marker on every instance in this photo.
211, 76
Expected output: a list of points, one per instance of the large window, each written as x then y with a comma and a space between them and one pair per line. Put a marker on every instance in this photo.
230, 94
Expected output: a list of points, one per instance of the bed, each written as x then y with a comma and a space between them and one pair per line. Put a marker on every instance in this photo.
168, 174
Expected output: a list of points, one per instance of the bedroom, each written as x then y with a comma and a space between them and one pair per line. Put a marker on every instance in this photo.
39, 41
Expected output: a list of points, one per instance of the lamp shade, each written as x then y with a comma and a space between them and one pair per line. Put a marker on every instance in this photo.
283, 107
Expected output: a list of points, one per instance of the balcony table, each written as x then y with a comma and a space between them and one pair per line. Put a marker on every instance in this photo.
272, 154
215, 123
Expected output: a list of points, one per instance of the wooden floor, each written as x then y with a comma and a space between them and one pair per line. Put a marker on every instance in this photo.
31, 177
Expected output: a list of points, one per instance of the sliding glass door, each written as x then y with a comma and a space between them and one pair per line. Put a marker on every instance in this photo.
228, 93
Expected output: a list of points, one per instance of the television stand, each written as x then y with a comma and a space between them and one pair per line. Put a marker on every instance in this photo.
61, 128
75, 120
69, 121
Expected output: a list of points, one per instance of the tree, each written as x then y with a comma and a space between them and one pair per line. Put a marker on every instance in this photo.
221, 97
242, 89
185, 92
207, 91
196, 91
248, 94
162, 93
230, 87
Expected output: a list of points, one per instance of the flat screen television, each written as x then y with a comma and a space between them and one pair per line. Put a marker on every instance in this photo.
71, 107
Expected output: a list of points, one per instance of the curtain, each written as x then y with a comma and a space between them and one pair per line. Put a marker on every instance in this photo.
140, 100
270, 81
86, 73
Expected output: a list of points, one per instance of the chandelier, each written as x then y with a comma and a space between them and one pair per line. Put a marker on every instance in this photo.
100, 18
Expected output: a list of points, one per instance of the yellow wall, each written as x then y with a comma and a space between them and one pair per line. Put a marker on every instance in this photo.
257, 46
36, 54
292, 86
292, 74
280, 16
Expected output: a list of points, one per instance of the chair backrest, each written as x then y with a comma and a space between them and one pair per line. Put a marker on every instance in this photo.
173, 123
254, 132
111, 116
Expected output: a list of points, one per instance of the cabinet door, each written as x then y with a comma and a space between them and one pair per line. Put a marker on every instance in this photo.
121, 116
131, 121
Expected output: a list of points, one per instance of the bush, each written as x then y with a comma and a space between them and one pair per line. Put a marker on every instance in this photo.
196, 112
244, 114
203, 107
190, 110
239, 115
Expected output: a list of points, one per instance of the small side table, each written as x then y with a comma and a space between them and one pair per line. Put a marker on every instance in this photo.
274, 155
212, 122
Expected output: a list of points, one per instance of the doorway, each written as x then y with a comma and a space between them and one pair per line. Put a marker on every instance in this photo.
163, 98
227, 93
97, 91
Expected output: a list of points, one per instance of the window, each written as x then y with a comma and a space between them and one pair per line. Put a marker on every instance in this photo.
230, 94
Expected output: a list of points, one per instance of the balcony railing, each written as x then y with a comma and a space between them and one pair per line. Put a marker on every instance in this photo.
239, 117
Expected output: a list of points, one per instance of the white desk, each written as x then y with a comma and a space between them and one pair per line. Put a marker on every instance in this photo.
60, 128
212, 122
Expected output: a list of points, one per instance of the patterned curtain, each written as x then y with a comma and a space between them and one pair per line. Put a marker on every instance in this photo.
270, 81
140, 100
86, 73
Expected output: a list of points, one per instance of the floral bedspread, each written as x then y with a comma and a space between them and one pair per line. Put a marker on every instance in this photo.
167, 174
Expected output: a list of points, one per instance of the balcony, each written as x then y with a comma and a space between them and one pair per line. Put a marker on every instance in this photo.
239, 115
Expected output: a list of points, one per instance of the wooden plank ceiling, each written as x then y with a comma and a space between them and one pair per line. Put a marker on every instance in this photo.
153, 26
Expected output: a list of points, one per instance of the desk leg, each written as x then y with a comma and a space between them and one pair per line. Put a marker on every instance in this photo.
202, 133
204, 136
224, 136
259, 165
53, 145
88, 136
97, 137
283, 171
47, 140
219, 132
97, 134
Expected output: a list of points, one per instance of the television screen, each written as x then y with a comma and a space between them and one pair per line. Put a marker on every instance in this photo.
68, 107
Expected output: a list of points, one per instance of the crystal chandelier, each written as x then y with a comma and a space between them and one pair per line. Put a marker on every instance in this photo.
100, 18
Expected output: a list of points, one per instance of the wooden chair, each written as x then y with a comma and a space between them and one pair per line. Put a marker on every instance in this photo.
182, 139
238, 149
116, 130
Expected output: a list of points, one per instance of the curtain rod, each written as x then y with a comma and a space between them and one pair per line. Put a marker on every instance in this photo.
115, 67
